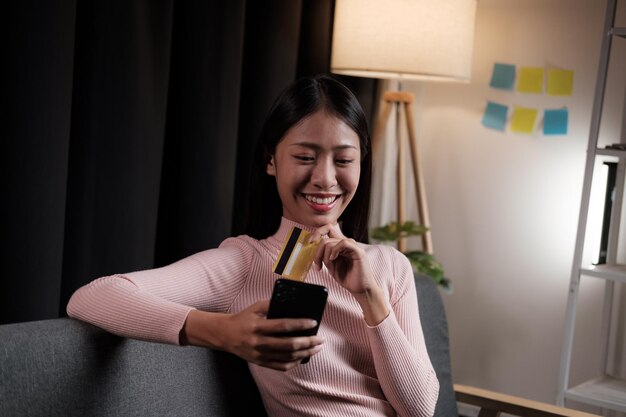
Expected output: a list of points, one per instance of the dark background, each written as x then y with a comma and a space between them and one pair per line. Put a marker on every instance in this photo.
128, 128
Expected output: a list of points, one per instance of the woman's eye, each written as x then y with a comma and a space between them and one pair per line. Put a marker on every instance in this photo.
304, 158
344, 161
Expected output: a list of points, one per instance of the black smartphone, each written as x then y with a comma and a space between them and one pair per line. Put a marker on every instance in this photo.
298, 300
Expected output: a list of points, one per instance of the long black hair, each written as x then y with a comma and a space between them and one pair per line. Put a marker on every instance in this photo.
301, 99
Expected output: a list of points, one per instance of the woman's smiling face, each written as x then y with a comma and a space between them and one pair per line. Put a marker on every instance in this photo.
317, 165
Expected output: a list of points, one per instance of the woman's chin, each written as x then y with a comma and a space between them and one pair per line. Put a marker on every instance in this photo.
317, 220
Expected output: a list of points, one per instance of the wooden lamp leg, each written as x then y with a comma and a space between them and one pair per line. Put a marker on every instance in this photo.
381, 123
420, 190
400, 178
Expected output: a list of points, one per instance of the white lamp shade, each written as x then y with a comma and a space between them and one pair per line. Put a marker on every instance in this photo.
404, 39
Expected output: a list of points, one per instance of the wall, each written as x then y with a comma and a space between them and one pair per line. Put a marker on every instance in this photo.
504, 206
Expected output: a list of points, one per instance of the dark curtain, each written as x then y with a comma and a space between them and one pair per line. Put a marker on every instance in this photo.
128, 129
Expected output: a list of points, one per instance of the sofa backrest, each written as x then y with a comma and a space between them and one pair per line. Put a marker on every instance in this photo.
67, 368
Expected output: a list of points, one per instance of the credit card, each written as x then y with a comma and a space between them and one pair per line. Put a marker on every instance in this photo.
296, 256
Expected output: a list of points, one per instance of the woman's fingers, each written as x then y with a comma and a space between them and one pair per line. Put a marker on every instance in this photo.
330, 230
335, 232
323, 253
283, 353
280, 346
285, 325
319, 232
285, 362
260, 307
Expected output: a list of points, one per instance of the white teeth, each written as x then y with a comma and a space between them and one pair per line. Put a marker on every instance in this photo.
318, 200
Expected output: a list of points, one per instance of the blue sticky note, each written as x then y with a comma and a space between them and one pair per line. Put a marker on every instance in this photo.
503, 76
555, 122
495, 116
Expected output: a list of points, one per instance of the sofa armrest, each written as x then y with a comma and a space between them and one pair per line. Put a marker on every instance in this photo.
67, 368
493, 403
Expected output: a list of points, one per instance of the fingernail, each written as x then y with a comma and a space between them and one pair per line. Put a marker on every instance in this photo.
313, 323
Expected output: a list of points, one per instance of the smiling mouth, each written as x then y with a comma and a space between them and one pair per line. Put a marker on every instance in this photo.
321, 200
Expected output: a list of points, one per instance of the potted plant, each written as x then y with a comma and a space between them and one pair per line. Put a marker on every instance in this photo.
422, 262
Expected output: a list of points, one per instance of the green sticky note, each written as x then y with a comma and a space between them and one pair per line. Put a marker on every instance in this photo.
555, 122
530, 80
560, 82
523, 120
495, 116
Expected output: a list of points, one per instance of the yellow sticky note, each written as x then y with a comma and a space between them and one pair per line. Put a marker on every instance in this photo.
560, 82
523, 120
530, 80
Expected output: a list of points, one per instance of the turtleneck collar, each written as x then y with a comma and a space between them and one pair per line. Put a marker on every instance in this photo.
285, 228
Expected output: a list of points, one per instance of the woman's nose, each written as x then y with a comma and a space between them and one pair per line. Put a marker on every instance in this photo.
324, 174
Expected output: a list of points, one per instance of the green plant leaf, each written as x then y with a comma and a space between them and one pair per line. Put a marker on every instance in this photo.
394, 231
421, 262
426, 263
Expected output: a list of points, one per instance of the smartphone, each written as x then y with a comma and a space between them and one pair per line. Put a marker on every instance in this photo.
298, 300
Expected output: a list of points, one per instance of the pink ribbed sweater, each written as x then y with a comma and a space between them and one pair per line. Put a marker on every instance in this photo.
361, 370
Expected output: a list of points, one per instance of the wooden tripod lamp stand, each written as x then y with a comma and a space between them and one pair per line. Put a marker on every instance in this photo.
428, 40
399, 99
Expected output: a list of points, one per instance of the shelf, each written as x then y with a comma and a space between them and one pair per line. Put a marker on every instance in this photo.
605, 392
611, 152
618, 31
612, 272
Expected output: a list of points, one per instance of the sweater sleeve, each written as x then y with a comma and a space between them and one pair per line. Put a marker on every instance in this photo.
402, 364
153, 304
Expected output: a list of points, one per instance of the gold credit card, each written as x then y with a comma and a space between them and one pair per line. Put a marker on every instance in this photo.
296, 256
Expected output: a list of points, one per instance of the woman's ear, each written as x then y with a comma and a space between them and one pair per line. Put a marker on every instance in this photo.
271, 168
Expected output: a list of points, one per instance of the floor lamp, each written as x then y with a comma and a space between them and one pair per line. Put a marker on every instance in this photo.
427, 40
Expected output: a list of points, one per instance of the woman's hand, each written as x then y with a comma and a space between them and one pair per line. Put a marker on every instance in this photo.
252, 337
347, 262
344, 258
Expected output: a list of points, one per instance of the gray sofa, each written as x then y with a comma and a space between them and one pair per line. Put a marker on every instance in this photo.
64, 367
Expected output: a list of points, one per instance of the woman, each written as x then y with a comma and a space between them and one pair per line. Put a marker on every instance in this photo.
313, 169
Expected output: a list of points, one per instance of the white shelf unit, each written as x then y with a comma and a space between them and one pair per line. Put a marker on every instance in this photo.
604, 390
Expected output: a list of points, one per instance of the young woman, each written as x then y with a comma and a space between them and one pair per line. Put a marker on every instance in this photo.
313, 170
